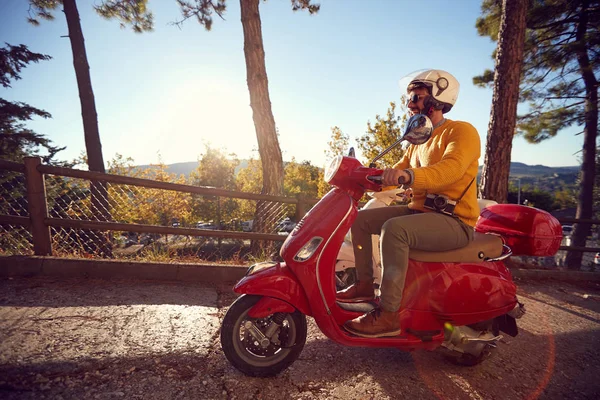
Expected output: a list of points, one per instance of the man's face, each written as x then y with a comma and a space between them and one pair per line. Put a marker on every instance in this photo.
417, 107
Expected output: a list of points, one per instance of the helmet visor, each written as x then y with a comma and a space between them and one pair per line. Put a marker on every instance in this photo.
408, 79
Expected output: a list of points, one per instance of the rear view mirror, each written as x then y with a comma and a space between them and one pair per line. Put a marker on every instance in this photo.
418, 129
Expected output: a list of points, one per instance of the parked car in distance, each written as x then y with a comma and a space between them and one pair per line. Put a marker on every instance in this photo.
286, 225
247, 225
206, 225
567, 230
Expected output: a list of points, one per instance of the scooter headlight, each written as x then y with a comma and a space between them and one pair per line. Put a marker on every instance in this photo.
332, 168
308, 249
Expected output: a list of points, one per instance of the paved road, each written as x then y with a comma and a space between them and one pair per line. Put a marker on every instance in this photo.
93, 339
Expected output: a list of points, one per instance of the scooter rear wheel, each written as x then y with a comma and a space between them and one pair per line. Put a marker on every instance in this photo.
470, 360
245, 352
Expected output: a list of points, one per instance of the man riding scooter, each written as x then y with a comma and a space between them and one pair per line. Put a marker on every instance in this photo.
440, 216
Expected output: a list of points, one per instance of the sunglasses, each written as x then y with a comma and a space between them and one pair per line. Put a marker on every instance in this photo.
415, 98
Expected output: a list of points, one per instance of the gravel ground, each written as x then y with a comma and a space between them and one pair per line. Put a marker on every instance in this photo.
95, 339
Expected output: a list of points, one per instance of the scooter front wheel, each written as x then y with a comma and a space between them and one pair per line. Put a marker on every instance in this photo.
261, 347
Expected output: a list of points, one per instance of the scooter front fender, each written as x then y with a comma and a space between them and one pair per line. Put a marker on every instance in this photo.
268, 305
277, 282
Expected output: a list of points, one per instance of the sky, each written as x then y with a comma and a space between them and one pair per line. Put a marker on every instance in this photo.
164, 95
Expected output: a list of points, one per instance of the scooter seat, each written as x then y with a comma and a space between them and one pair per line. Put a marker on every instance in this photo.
483, 246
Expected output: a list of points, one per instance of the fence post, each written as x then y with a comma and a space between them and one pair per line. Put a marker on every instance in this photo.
38, 210
300, 207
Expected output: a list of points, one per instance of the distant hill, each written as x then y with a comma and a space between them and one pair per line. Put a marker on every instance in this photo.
517, 170
547, 179
186, 168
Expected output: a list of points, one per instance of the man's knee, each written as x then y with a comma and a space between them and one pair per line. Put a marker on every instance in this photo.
394, 232
361, 221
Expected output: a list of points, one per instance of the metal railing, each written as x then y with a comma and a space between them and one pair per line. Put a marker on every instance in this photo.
46, 210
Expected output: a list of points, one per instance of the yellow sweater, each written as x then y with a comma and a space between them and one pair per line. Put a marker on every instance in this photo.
446, 164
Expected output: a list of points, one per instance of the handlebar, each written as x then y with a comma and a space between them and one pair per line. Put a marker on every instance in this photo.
379, 179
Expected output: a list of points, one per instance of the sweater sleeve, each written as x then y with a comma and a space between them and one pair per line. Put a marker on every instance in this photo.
404, 162
462, 149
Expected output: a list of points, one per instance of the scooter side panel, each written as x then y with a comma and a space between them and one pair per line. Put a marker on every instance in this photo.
277, 282
415, 311
467, 293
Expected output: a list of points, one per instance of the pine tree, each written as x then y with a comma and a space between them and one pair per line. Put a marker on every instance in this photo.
509, 62
128, 11
559, 83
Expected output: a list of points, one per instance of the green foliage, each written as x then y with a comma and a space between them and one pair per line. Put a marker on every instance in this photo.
161, 207
380, 135
489, 23
485, 80
204, 10
13, 59
565, 198
339, 143
17, 141
249, 180
216, 170
551, 81
305, 5
301, 178
42, 9
533, 197
132, 13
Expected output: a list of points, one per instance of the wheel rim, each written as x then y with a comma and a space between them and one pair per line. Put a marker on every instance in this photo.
252, 352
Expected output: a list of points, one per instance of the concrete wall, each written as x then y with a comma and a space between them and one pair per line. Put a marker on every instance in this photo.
104, 269
109, 269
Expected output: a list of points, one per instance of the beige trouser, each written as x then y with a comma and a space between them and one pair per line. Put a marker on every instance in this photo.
402, 228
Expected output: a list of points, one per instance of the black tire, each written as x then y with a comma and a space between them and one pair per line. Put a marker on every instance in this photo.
244, 353
469, 360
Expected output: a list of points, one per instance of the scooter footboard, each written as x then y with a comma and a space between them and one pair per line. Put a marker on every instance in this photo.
277, 284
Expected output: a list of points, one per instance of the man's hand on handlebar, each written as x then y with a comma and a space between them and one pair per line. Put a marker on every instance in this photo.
394, 177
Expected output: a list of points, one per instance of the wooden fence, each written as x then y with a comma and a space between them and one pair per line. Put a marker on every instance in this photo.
39, 222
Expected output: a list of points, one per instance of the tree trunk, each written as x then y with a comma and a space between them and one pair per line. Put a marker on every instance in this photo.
99, 197
264, 123
501, 128
585, 201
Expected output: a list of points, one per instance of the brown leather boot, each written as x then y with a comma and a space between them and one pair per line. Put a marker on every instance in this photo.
359, 291
377, 323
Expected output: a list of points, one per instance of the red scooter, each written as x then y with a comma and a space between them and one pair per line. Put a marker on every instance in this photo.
456, 300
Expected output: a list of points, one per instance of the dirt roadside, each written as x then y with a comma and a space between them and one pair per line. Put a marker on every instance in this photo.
99, 339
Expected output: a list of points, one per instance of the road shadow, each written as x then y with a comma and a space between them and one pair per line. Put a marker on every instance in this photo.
526, 367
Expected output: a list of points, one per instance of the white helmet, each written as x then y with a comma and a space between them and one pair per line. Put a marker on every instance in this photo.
442, 86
